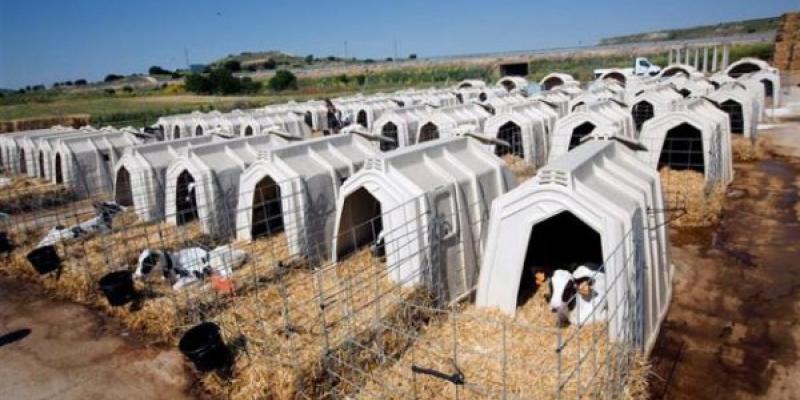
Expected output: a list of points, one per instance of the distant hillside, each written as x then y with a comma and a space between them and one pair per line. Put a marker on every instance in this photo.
759, 25
257, 57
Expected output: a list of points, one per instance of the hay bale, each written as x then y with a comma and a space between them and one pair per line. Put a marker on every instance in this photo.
693, 202
745, 150
521, 169
498, 355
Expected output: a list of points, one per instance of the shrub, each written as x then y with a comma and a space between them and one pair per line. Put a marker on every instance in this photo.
309, 59
197, 83
412, 56
156, 70
127, 89
343, 79
270, 64
283, 80
80, 82
232, 65
113, 77
109, 91
223, 81
361, 79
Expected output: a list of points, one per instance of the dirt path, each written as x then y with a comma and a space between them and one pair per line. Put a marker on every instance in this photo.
61, 350
732, 331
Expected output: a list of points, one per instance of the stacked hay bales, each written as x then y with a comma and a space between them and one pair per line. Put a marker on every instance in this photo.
693, 202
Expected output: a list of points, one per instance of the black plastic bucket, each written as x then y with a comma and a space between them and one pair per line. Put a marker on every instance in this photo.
44, 259
5, 244
203, 345
117, 287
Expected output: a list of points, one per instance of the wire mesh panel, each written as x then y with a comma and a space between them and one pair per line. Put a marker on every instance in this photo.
641, 112
427, 132
734, 110
512, 134
683, 149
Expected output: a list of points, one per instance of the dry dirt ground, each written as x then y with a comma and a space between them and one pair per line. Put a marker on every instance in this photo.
733, 329
59, 350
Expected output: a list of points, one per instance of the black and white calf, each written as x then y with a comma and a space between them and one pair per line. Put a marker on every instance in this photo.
189, 265
579, 297
105, 212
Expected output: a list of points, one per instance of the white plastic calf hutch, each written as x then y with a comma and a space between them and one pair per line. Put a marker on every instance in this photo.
139, 176
203, 183
600, 91
602, 119
767, 75
514, 84
46, 146
293, 188
500, 104
16, 159
741, 106
693, 136
400, 125
366, 111
526, 127
652, 101
557, 99
557, 79
443, 122
591, 206
28, 146
471, 83
695, 85
396, 197
86, 163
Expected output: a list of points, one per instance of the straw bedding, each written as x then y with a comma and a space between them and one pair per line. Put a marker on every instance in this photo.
696, 203
521, 169
484, 344
745, 150
27, 194
288, 323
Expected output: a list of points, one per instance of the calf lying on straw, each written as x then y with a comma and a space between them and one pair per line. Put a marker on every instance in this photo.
105, 212
579, 297
189, 265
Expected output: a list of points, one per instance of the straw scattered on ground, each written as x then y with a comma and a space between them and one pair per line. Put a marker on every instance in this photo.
27, 194
746, 150
692, 202
521, 169
499, 354
289, 324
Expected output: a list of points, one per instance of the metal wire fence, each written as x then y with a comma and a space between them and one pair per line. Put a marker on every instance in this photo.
318, 302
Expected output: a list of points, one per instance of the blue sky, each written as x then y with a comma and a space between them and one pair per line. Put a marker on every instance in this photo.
48, 41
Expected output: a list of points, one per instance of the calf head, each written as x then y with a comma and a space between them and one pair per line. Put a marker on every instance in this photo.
107, 210
563, 291
151, 260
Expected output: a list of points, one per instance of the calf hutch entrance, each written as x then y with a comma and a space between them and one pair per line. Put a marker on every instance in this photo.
562, 241
579, 132
427, 132
267, 214
641, 112
360, 222
683, 149
123, 193
23, 164
510, 133
736, 114
185, 199
59, 169
41, 164
389, 131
